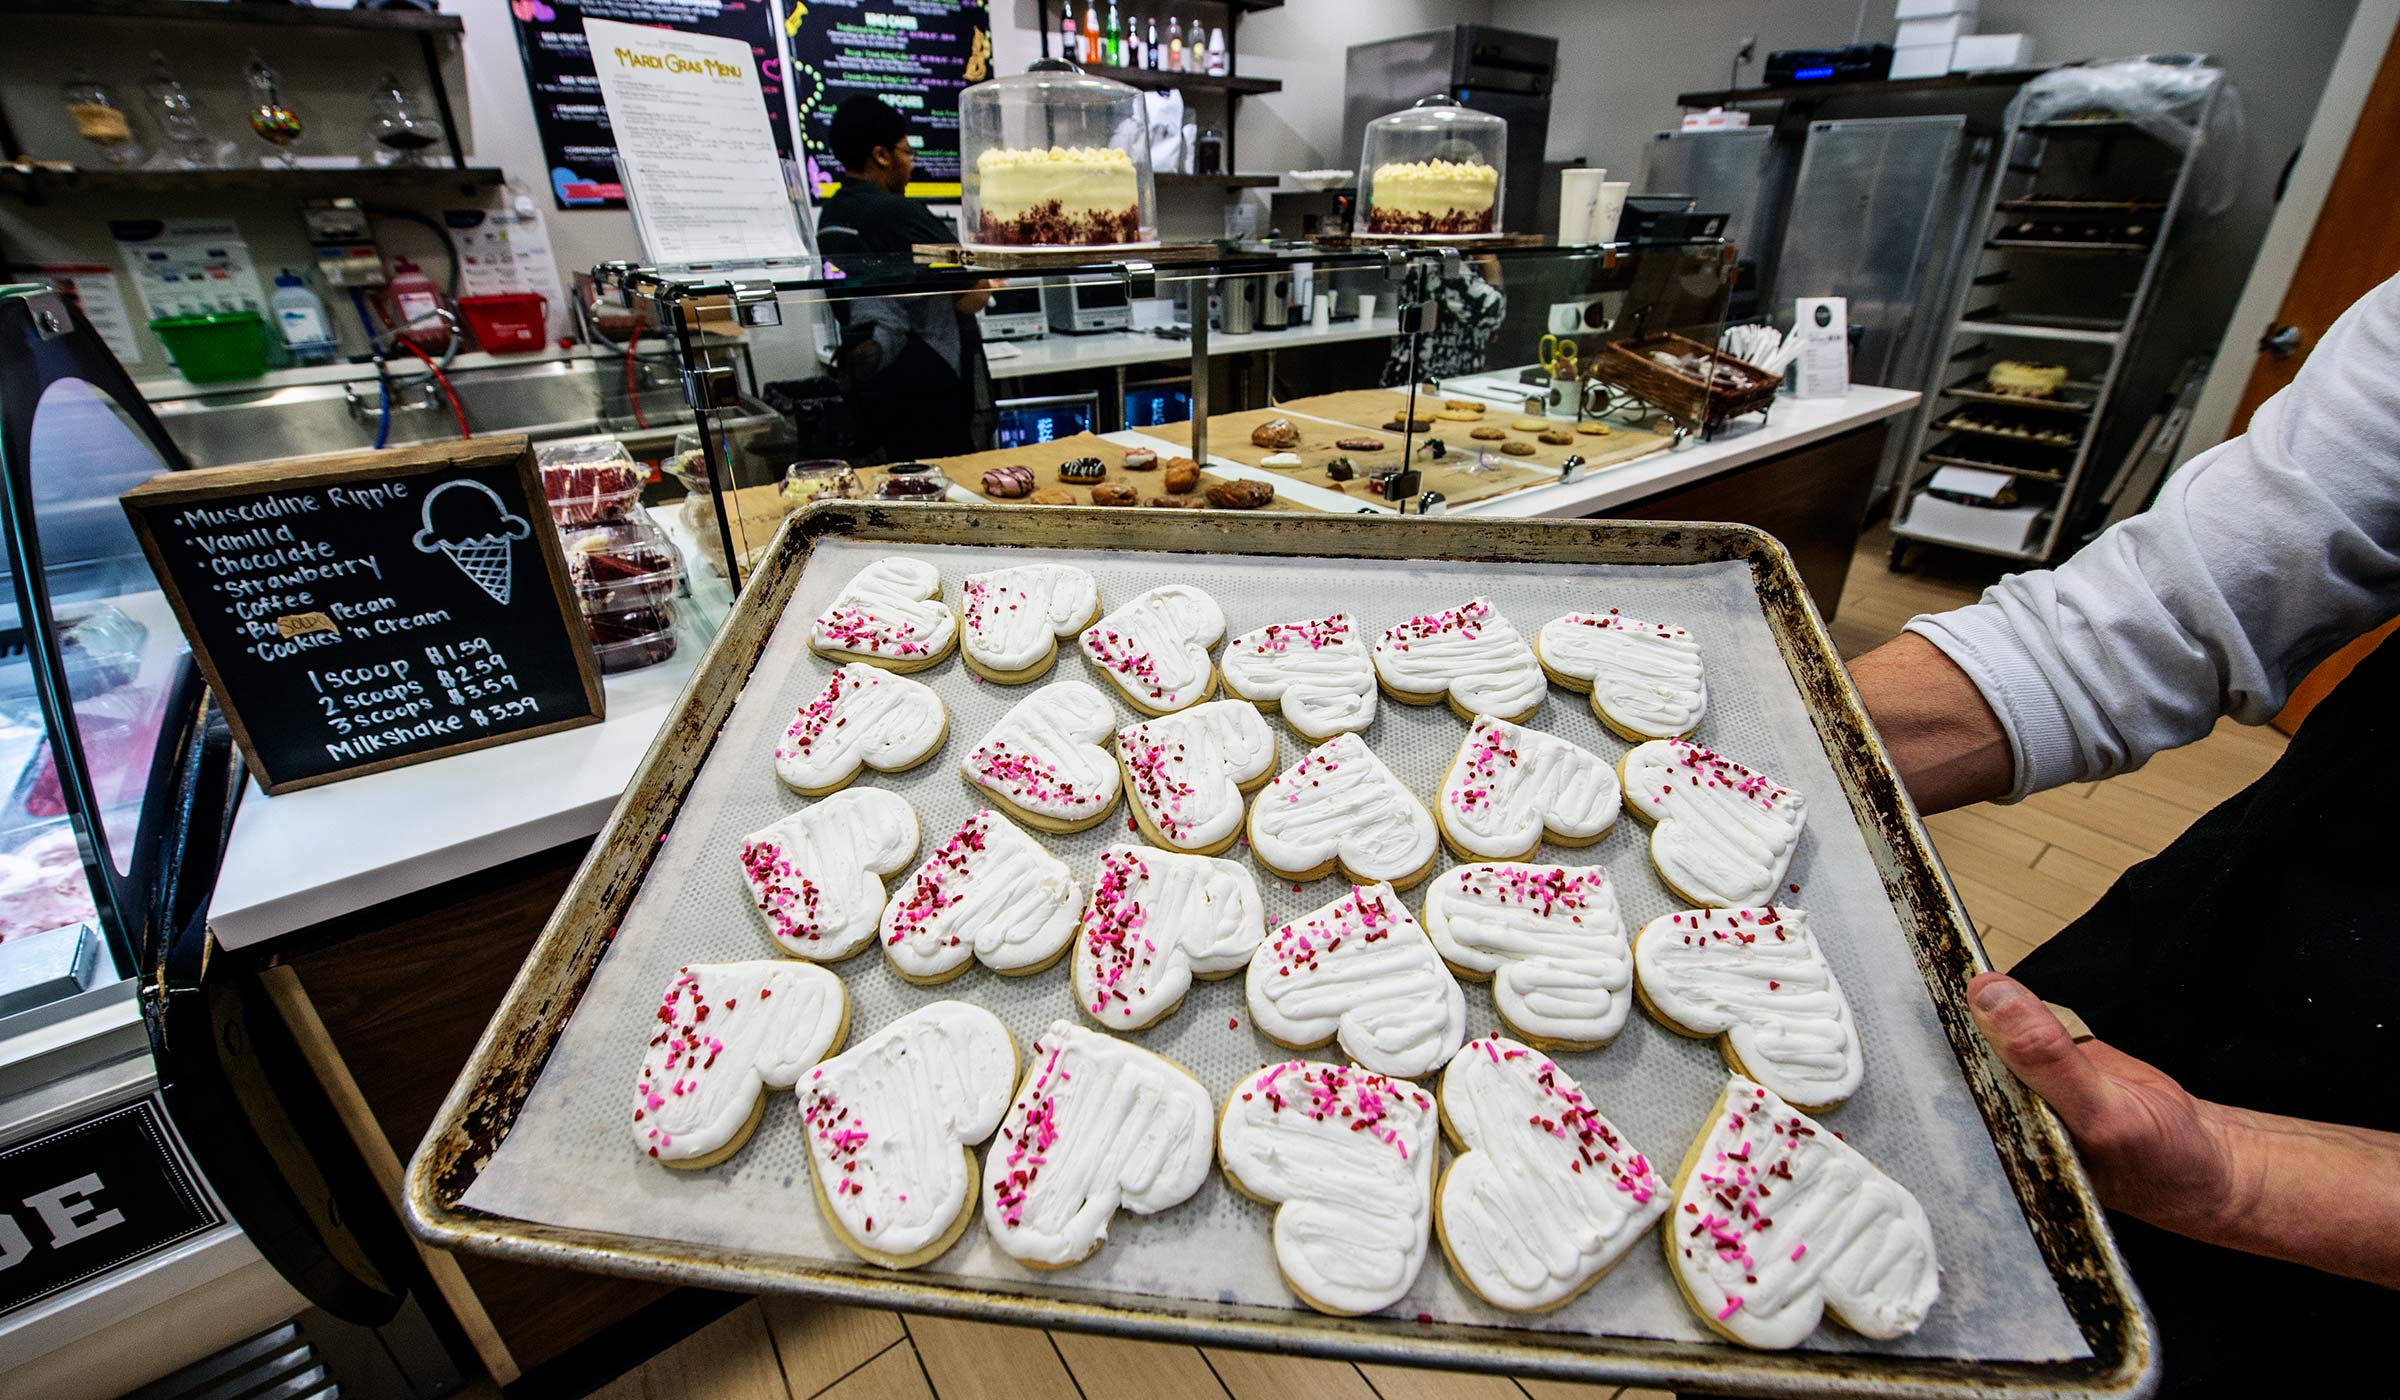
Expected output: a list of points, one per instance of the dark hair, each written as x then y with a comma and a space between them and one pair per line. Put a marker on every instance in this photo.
861, 124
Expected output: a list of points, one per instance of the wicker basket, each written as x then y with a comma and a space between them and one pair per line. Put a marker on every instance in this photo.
1689, 401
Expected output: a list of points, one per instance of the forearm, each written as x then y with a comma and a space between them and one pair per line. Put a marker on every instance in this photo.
2319, 1194
1948, 745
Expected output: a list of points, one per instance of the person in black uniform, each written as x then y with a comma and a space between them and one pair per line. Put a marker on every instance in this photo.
911, 367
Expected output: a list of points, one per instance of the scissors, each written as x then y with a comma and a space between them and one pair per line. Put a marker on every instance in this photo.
1557, 354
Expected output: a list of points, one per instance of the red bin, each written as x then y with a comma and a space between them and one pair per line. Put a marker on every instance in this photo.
508, 321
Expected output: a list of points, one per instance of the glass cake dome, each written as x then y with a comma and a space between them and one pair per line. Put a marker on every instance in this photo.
1054, 158
1432, 171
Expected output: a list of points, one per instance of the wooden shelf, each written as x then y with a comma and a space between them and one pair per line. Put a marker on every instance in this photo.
283, 16
1881, 87
33, 181
1228, 182
1159, 80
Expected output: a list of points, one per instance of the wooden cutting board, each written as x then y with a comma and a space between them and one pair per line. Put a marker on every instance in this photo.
1229, 436
1621, 444
1044, 459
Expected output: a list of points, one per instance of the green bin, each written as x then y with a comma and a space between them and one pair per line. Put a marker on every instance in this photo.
215, 347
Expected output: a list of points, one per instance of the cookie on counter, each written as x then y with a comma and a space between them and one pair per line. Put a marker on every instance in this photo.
1157, 920
1469, 655
1510, 788
1045, 763
1186, 773
865, 717
889, 614
1544, 1195
1012, 619
1051, 496
1549, 938
892, 1124
1644, 678
990, 894
1757, 982
1116, 493
1722, 835
1154, 647
1794, 1223
727, 1033
1316, 671
1099, 1125
1347, 1158
1340, 807
816, 877
1361, 971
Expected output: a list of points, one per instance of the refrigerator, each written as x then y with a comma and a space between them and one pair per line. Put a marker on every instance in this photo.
1491, 70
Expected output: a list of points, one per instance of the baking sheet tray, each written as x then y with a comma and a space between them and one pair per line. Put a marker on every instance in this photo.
528, 1158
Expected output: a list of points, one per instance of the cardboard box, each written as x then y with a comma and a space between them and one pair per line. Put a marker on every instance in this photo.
1978, 52
1923, 61
2009, 529
1939, 29
1933, 9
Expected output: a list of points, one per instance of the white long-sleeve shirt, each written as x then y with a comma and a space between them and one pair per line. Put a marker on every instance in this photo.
2260, 558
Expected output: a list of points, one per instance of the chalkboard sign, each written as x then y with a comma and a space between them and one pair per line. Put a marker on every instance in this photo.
365, 610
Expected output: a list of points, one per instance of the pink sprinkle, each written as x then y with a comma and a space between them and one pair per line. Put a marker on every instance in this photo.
1797, 1251
1733, 1304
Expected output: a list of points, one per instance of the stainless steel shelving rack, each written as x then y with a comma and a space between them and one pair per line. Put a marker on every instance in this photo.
1979, 320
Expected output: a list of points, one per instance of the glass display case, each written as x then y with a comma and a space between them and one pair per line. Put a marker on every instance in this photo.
1055, 158
1432, 171
1402, 378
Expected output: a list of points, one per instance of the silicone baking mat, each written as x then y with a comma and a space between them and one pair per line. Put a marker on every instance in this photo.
570, 1159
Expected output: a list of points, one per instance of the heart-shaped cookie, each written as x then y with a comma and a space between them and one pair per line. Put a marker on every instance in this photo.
989, 894
892, 1124
816, 876
1046, 761
889, 614
1644, 677
1013, 618
1758, 979
1545, 1195
1510, 786
1359, 970
1777, 1222
727, 1033
1551, 939
1155, 647
1346, 1156
1319, 672
1100, 1124
1469, 655
1723, 834
863, 718
1156, 920
1339, 806
1185, 773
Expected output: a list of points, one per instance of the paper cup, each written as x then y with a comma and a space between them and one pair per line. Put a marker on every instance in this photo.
1366, 306
1610, 208
1322, 318
1578, 200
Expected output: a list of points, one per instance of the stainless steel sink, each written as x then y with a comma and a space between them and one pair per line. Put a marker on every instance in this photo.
543, 399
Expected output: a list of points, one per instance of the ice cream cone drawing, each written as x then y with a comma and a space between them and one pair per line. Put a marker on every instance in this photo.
467, 521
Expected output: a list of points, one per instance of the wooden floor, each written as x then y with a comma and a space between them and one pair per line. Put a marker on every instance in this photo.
2024, 871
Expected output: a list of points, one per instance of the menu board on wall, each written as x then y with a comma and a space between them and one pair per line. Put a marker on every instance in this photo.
365, 610
914, 54
576, 140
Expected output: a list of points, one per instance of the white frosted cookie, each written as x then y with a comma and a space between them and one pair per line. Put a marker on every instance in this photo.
1099, 1125
1359, 970
1644, 677
1046, 761
1510, 786
1013, 618
892, 1124
1550, 938
726, 1033
1155, 647
1347, 1158
1545, 1195
1185, 773
863, 718
1319, 672
1156, 920
989, 894
1758, 980
1339, 806
1469, 655
816, 876
1777, 1222
890, 614
1723, 834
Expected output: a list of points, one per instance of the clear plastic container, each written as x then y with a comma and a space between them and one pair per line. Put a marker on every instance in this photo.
619, 565
589, 480
912, 481
633, 638
1432, 171
1055, 158
824, 480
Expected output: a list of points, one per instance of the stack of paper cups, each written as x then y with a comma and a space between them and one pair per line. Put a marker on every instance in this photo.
1608, 209
1578, 200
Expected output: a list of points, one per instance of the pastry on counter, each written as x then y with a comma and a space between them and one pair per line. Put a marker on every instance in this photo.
1188, 774
1008, 483
1511, 788
1361, 971
704, 1079
1470, 656
865, 717
1592, 427
1418, 424
1557, 437
1341, 469
1241, 495
1115, 493
1315, 671
1140, 459
1156, 920
1015, 617
816, 877
1722, 834
1182, 474
1531, 425
1052, 496
1155, 647
911, 488
1282, 461
889, 614
1550, 939
989, 894
1057, 196
1177, 503
1488, 434
1519, 449
1044, 762
1275, 432
1434, 196
1359, 444
1755, 980
1083, 469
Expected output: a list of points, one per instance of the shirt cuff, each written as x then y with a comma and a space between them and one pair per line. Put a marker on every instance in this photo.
2041, 742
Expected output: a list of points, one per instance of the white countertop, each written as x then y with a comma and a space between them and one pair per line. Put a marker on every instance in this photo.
1058, 354
306, 857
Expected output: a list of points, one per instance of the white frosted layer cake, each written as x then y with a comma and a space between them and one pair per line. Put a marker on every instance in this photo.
1060, 196
1433, 196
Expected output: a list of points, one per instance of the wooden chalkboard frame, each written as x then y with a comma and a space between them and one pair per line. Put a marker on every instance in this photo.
174, 490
